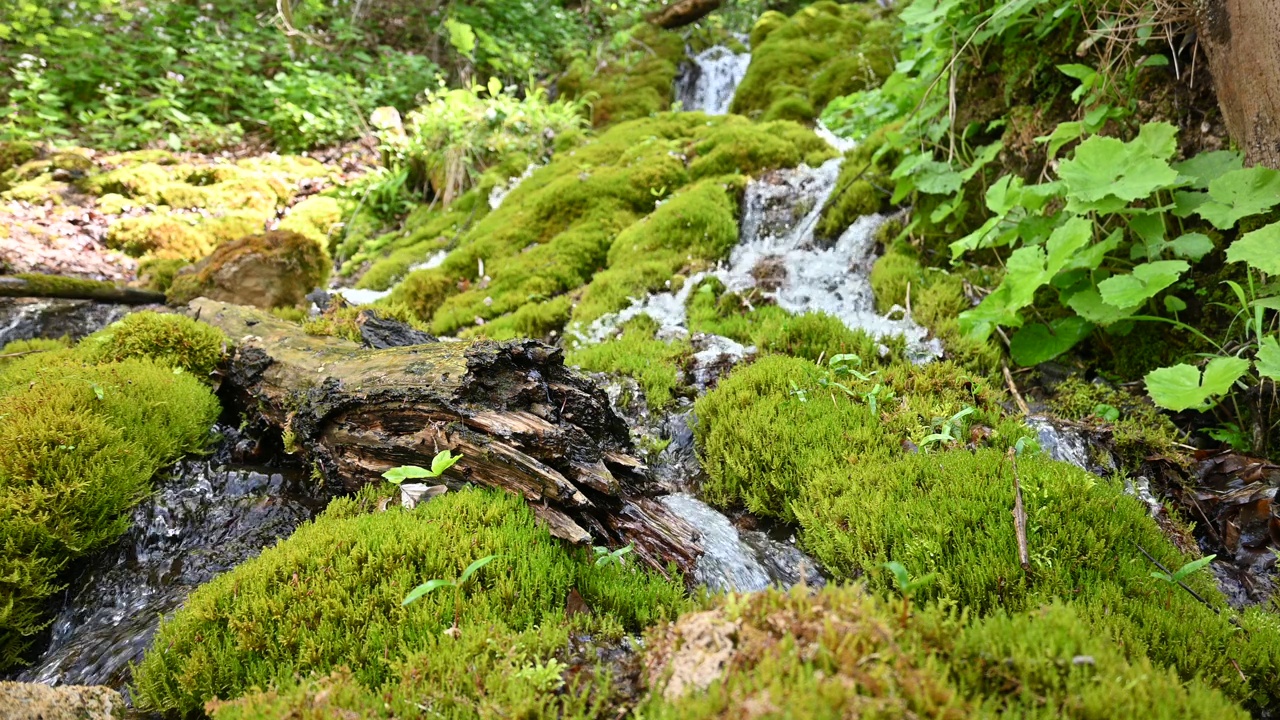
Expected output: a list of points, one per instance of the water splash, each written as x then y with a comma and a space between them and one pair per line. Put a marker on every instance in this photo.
709, 80
744, 561
203, 521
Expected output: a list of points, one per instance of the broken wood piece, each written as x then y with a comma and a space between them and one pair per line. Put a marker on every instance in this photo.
1019, 515
53, 286
683, 12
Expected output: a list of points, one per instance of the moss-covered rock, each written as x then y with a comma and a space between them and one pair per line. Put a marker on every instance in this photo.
801, 63
173, 340
582, 213
317, 217
634, 83
82, 443
767, 428
655, 364
161, 235
274, 269
15, 153
1139, 430
157, 273
331, 595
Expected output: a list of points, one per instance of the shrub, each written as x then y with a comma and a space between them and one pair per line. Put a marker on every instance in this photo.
81, 446
331, 595
173, 340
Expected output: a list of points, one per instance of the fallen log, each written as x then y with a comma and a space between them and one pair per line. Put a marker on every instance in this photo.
54, 286
522, 421
683, 12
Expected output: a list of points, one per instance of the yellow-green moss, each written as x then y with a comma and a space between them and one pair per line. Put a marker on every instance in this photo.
427, 230
173, 340
766, 429
24, 348
82, 443
801, 63
331, 595
637, 353
157, 273
1140, 430
13, 154
635, 83
55, 285
161, 235
317, 217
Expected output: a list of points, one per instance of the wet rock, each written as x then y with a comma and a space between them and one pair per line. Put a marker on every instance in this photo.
26, 319
33, 701
381, 333
714, 356
274, 269
701, 646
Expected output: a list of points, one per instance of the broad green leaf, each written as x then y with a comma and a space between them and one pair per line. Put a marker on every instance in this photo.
1146, 280
1157, 139
474, 567
936, 178
1202, 169
1065, 132
1066, 241
1004, 194
1091, 258
398, 475
1104, 168
1186, 203
443, 461
1192, 246
1239, 194
1174, 304
1182, 387
1034, 344
425, 588
1191, 567
899, 573
1270, 303
1268, 359
1260, 249
985, 155
461, 36
1088, 304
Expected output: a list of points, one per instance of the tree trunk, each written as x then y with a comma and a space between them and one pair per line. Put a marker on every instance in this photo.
683, 12
521, 420
35, 286
1242, 39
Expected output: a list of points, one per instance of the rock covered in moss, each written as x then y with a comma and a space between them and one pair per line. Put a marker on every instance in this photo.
66, 702
15, 153
801, 63
636, 84
331, 595
82, 443
274, 269
174, 340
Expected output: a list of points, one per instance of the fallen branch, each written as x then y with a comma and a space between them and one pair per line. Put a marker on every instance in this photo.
1013, 390
1181, 584
683, 12
1019, 514
52, 286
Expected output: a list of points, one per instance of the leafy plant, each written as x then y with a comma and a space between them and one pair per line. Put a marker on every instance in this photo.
1181, 573
457, 585
443, 460
605, 557
946, 430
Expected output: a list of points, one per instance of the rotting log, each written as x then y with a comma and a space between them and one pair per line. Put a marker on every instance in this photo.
50, 286
683, 12
522, 421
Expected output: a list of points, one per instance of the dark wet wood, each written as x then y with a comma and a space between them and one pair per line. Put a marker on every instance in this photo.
683, 12
522, 421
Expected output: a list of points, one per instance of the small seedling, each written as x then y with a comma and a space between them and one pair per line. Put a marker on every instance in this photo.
846, 365
1106, 413
906, 586
441, 462
604, 557
799, 394
1183, 572
457, 586
946, 430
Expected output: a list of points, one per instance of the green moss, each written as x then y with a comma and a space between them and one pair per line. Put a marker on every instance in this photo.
799, 64
426, 231
24, 348
331, 595
157, 274
533, 320
948, 513
161, 235
637, 353
764, 431
38, 190
273, 269
81, 445
60, 285
317, 218
635, 82
1140, 431
577, 222
172, 340
13, 154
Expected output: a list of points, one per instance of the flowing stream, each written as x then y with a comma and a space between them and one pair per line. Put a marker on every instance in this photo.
22, 319
708, 81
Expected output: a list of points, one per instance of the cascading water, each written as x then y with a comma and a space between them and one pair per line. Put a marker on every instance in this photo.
709, 80
206, 519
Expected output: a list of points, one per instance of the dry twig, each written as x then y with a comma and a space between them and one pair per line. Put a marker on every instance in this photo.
1019, 515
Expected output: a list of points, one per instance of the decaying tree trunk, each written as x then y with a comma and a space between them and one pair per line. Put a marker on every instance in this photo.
522, 421
683, 12
100, 292
1242, 39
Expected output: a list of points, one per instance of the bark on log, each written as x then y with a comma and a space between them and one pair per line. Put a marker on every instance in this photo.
522, 421
1242, 40
20, 287
683, 12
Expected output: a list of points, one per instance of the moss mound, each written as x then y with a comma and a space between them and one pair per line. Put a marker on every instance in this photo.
637, 353
274, 269
331, 595
635, 82
1138, 431
767, 428
801, 63
583, 213
82, 443
173, 340
948, 513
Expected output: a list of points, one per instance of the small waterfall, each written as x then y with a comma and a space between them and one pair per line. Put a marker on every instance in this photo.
203, 521
709, 80
744, 561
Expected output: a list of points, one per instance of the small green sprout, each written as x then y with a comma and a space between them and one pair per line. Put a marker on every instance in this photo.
457, 586
906, 586
947, 430
441, 462
1183, 572
604, 557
